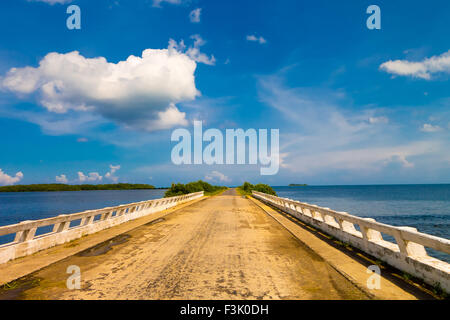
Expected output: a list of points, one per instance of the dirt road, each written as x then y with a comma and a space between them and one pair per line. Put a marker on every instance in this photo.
225, 247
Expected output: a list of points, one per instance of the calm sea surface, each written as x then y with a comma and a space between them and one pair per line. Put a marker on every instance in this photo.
425, 207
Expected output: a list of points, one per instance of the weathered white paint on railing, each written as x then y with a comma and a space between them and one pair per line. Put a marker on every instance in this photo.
407, 254
26, 241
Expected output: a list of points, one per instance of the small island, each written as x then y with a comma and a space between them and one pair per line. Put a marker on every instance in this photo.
77, 187
298, 185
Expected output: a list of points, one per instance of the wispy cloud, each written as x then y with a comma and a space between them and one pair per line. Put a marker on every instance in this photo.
321, 135
55, 124
217, 176
430, 128
375, 120
419, 69
254, 38
157, 3
52, 2
194, 15
193, 51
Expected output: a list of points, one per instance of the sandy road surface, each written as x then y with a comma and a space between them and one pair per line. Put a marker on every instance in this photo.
222, 248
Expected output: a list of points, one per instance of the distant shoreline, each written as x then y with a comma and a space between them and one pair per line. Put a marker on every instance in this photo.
80, 187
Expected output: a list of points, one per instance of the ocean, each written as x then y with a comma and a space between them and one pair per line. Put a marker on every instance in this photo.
425, 207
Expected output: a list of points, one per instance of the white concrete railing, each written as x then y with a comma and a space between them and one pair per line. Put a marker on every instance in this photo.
407, 254
26, 241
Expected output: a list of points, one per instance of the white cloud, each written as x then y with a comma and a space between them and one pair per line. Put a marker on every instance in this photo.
110, 175
157, 3
193, 51
6, 180
52, 2
62, 179
254, 38
217, 176
378, 120
140, 92
421, 69
194, 16
82, 140
169, 118
92, 177
430, 128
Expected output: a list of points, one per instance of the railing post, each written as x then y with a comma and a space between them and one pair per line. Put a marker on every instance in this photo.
317, 215
62, 226
346, 226
87, 220
107, 215
25, 235
409, 248
306, 212
370, 234
330, 220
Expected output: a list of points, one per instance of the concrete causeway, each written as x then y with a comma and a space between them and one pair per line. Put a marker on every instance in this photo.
221, 247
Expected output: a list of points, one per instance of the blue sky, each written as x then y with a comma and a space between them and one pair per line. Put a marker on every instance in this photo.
353, 105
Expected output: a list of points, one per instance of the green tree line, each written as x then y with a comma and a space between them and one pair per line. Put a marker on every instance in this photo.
78, 187
247, 188
179, 189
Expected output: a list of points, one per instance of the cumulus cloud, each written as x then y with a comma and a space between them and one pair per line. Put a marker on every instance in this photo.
430, 128
169, 118
62, 179
217, 176
110, 175
194, 16
254, 38
139, 92
419, 69
6, 180
91, 177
